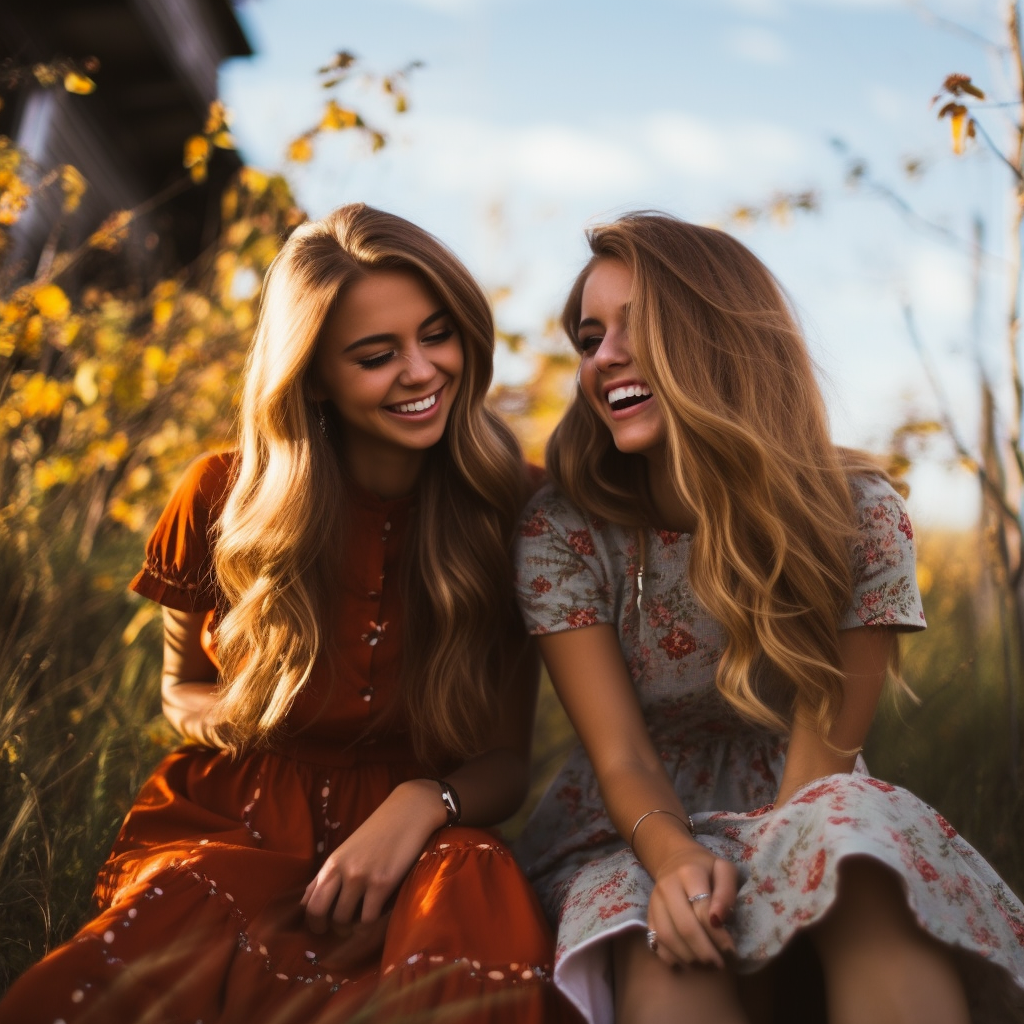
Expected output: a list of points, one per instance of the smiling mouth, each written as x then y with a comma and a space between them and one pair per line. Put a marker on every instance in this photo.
420, 405
626, 397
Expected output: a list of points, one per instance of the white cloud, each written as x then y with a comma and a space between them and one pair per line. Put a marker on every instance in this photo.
552, 159
712, 151
758, 44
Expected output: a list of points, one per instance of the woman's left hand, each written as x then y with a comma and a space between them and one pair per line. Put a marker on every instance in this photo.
694, 893
370, 865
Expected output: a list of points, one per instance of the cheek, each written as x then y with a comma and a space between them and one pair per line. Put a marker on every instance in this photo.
590, 387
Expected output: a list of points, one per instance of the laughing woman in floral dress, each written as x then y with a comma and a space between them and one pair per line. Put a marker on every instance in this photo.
718, 590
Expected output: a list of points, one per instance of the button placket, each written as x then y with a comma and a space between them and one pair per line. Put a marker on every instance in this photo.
375, 632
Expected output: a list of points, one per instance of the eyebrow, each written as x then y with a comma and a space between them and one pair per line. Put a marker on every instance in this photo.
593, 321
377, 339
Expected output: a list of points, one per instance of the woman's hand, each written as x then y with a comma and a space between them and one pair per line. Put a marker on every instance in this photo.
360, 876
689, 930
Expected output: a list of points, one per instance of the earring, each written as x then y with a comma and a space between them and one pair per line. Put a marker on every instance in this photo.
321, 420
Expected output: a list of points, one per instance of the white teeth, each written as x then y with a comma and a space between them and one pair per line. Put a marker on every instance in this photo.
630, 391
420, 406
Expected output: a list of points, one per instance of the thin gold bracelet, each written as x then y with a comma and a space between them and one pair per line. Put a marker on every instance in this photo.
688, 822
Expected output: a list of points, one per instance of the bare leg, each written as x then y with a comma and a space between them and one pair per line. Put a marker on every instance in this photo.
879, 965
649, 992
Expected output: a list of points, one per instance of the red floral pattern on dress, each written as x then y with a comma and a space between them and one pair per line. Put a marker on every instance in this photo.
540, 585
579, 617
535, 526
816, 872
581, 542
678, 643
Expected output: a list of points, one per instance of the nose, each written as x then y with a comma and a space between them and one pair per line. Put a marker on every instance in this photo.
418, 368
614, 351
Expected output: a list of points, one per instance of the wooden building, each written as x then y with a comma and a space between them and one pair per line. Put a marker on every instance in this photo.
157, 76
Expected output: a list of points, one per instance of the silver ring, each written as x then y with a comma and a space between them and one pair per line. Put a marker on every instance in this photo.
700, 896
652, 940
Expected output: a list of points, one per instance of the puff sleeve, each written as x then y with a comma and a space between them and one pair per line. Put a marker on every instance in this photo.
178, 570
561, 578
885, 591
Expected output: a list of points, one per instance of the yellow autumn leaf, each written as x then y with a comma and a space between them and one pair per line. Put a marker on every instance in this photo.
41, 396
253, 181
217, 119
73, 186
223, 140
197, 149
13, 199
112, 232
377, 141
162, 312
66, 333
401, 103
301, 150
138, 478
11, 312
337, 118
130, 515
43, 476
51, 301
32, 334
85, 386
44, 75
958, 125
153, 358
82, 85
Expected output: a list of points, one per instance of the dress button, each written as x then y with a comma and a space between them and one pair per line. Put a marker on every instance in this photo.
374, 594
366, 693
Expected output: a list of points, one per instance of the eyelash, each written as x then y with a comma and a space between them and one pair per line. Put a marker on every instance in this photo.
375, 362
584, 345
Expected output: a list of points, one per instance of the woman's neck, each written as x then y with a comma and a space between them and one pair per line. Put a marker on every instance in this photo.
384, 471
671, 512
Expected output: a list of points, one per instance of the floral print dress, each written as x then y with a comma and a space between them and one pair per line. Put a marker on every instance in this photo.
575, 571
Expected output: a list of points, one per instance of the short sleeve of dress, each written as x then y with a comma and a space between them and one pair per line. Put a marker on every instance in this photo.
885, 591
561, 580
178, 570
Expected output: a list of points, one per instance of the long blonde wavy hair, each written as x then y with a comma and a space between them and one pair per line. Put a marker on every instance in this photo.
748, 451
277, 537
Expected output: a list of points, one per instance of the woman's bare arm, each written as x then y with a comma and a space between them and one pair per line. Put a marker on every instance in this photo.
188, 683
593, 683
864, 656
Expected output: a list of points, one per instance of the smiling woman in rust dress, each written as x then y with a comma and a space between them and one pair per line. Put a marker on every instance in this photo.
345, 661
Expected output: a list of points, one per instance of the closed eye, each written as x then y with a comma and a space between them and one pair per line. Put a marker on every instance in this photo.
588, 342
439, 336
373, 362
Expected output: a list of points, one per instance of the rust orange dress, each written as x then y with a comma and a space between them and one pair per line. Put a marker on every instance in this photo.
198, 904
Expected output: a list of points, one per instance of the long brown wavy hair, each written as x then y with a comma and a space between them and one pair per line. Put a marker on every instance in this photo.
748, 451
286, 508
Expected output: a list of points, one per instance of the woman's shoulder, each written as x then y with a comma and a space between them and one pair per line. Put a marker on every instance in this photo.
550, 510
207, 478
177, 567
878, 505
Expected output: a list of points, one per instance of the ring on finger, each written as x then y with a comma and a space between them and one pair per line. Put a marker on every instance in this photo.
700, 896
652, 940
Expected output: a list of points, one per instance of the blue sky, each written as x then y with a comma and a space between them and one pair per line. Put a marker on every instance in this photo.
533, 118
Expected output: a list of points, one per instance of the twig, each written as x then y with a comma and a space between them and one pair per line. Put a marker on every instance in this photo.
947, 420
